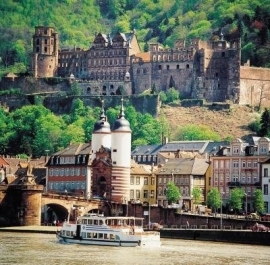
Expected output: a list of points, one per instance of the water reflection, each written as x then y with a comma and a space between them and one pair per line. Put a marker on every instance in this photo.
43, 249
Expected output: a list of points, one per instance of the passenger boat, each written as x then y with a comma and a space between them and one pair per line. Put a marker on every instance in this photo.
94, 229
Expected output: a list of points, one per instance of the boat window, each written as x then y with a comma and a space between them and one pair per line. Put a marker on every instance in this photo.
89, 221
68, 233
106, 236
112, 237
89, 235
84, 221
83, 235
100, 222
95, 222
100, 235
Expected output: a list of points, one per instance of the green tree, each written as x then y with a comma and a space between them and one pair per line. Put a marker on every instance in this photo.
5, 130
196, 132
259, 201
49, 134
236, 198
172, 95
173, 193
196, 194
214, 199
265, 123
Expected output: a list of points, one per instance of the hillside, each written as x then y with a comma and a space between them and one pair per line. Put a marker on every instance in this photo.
226, 123
162, 21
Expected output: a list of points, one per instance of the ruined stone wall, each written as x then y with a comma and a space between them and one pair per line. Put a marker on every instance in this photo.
254, 86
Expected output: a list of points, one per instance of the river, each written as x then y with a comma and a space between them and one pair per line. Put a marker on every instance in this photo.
43, 249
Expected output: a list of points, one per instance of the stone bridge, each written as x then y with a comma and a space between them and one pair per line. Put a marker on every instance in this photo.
66, 206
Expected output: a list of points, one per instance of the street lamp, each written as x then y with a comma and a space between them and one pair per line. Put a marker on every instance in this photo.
221, 210
246, 204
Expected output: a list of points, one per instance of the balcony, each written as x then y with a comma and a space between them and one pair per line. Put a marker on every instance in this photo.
233, 184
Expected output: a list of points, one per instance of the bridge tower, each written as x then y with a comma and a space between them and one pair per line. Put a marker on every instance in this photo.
28, 197
120, 155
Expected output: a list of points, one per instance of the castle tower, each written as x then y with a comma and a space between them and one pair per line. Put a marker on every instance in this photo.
101, 135
120, 154
44, 59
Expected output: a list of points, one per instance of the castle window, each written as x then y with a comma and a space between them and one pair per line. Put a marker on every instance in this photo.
223, 54
46, 41
144, 70
37, 49
112, 87
177, 66
216, 74
37, 41
168, 67
160, 67
104, 88
154, 58
187, 66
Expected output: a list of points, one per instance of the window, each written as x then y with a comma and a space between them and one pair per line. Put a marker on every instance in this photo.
249, 164
265, 172
265, 189
131, 180
235, 149
235, 178
145, 194
243, 164
72, 172
235, 163
145, 180
255, 164
137, 180
84, 171
137, 194
152, 181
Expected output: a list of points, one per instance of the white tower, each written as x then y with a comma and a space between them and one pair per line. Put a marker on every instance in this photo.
101, 135
120, 154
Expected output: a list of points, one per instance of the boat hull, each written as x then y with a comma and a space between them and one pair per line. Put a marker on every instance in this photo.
96, 242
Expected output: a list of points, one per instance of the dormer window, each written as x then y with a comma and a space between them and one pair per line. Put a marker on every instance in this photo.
235, 149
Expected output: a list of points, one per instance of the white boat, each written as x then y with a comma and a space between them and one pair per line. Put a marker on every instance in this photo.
94, 229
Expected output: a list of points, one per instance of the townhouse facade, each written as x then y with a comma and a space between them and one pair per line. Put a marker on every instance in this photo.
239, 166
265, 176
186, 174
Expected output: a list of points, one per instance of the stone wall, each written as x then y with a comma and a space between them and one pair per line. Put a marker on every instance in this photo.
254, 86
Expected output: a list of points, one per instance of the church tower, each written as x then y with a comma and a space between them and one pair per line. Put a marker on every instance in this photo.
120, 155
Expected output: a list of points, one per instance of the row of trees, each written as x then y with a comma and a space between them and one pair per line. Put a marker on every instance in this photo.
215, 198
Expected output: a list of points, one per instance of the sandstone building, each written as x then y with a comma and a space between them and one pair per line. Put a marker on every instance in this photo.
115, 65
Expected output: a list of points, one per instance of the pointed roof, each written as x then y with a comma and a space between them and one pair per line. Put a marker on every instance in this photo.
102, 126
121, 124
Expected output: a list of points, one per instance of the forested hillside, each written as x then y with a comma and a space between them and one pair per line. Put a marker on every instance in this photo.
161, 21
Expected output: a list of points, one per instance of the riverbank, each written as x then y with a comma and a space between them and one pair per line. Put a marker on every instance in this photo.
31, 229
216, 235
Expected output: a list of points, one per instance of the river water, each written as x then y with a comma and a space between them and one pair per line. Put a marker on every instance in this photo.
43, 249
